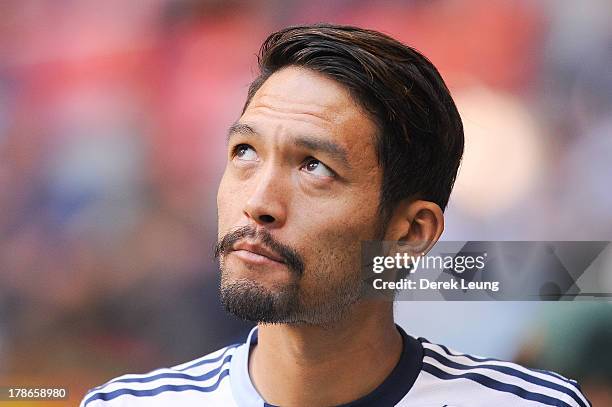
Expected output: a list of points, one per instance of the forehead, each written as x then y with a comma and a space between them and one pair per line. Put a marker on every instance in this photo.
298, 100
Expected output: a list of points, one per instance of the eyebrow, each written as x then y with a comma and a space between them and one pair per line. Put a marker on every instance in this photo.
312, 143
240, 128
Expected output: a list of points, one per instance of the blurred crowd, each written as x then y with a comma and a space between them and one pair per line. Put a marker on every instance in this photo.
113, 118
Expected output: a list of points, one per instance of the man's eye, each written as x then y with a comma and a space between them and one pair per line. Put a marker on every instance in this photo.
245, 152
317, 168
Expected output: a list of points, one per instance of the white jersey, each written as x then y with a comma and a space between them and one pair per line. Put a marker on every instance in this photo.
427, 375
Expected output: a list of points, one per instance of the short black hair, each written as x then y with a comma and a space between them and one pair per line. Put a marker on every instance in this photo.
420, 134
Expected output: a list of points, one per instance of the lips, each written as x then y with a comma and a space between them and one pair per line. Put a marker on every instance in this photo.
259, 250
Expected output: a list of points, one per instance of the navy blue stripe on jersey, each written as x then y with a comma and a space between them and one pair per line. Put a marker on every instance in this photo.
509, 371
142, 378
175, 375
480, 359
154, 392
557, 375
496, 385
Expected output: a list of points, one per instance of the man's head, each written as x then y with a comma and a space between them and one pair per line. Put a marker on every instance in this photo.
347, 135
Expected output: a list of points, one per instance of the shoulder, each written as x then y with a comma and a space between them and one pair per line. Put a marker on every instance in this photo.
191, 380
494, 379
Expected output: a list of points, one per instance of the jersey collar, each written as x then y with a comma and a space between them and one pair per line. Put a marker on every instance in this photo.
389, 393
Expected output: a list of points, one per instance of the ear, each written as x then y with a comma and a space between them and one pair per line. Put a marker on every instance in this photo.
416, 226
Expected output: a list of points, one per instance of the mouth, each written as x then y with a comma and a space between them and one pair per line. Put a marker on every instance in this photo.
256, 254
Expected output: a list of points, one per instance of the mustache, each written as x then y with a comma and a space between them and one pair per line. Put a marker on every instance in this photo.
289, 255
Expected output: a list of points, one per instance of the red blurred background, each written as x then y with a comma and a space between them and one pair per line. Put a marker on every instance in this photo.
113, 117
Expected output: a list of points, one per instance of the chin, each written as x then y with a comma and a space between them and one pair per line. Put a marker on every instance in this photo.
250, 300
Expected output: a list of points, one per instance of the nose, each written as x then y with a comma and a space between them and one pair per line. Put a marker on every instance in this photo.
266, 205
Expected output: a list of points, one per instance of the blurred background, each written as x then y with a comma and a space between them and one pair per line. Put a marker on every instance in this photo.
113, 117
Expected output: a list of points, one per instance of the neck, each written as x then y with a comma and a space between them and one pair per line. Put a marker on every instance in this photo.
300, 364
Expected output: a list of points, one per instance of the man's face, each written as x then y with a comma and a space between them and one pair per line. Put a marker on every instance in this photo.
300, 192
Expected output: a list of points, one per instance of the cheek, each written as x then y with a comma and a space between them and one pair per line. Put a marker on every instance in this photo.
333, 262
340, 222
334, 246
336, 251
